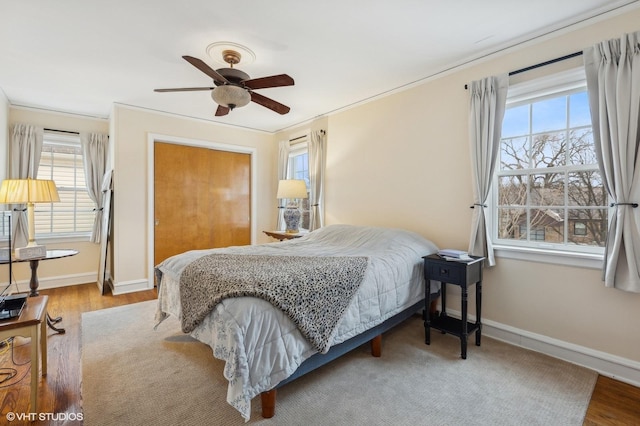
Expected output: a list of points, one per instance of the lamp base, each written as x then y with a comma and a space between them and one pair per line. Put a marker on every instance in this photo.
292, 219
31, 252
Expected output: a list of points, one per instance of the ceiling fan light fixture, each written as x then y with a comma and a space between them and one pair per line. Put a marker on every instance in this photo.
234, 88
231, 96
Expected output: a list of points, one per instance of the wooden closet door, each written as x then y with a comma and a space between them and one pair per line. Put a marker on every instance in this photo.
202, 199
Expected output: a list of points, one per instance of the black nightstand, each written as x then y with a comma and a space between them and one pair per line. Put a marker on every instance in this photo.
462, 274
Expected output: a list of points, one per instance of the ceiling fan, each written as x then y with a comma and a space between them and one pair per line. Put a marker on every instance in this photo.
233, 87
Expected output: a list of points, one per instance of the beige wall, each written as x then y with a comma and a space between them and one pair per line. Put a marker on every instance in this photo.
132, 128
82, 268
404, 161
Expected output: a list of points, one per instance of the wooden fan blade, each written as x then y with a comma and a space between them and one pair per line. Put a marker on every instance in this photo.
269, 103
271, 81
184, 89
222, 111
198, 63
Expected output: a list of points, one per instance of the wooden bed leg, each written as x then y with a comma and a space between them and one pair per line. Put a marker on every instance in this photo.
376, 346
268, 399
433, 308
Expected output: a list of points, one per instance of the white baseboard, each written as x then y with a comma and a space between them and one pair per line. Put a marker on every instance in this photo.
84, 278
606, 364
123, 287
54, 282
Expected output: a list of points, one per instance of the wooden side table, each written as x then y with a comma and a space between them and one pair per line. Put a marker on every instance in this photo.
31, 323
462, 274
33, 283
282, 235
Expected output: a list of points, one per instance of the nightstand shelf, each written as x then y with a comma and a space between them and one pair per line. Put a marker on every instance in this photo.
451, 325
462, 274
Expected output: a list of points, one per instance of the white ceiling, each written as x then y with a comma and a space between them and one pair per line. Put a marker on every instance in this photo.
81, 56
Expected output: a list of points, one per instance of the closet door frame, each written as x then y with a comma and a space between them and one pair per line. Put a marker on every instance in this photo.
152, 138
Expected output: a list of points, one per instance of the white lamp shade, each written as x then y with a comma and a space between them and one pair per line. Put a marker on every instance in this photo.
231, 96
292, 188
18, 191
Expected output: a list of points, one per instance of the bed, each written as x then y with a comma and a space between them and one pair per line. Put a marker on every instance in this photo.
263, 347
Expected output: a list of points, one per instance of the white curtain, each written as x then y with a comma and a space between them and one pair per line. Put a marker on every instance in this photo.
486, 111
94, 156
25, 150
613, 82
283, 166
317, 161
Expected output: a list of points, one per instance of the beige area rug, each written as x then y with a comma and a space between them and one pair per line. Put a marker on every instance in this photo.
133, 375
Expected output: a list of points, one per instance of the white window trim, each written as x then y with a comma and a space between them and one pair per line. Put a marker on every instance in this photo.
298, 143
586, 257
555, 257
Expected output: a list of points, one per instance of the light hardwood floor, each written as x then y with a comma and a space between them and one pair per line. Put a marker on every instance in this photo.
59, 392
612, 402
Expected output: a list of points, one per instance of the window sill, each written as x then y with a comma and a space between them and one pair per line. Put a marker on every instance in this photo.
57, 239
556, 257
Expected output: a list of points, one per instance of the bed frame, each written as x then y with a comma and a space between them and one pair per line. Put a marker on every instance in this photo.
374, 335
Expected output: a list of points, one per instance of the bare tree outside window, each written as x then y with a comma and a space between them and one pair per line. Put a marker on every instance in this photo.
549, 186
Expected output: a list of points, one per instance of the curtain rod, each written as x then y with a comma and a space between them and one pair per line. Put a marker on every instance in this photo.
301, 137
62, 131
542, 64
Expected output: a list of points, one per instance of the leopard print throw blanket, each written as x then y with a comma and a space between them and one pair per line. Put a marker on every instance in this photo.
313, 291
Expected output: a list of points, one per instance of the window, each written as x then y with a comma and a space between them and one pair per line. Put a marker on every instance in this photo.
535, 234
548, 191
580, 228
61, 162
299, 169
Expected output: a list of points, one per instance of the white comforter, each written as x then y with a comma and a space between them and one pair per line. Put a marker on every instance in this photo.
259, 344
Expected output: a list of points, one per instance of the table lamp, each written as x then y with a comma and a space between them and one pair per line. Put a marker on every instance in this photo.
292, 189
29, 191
